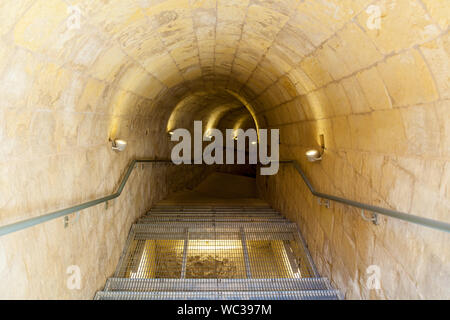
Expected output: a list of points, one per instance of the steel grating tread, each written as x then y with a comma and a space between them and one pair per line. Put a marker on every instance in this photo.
234, 212
192, 225
216, 213
197, 285
212, 218
218, 231
227, 213
214, 295
177, 227
212, 206
238, 214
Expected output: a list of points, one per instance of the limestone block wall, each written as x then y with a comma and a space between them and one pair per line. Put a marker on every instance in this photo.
384, 111
56, 116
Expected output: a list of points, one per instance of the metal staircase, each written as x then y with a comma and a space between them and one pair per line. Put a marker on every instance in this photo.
215, 252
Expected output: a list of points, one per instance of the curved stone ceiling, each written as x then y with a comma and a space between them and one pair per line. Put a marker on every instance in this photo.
208, 106
291, 61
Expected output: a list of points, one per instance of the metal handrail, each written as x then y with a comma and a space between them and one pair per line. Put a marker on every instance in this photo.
435, 224
10, 228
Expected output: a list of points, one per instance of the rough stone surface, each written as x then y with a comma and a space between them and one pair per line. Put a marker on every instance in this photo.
379, 95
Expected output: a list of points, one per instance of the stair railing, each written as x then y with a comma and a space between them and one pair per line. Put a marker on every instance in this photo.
10, 228
435, 224
20, 225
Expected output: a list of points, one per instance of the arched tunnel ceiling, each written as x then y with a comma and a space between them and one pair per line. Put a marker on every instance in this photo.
290, 60
208, 106
236, 119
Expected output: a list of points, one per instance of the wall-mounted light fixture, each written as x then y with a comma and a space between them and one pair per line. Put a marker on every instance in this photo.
314, 155
119, 145
254, 142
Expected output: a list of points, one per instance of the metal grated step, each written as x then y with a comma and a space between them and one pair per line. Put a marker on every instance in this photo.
213, 214
215, 252
214, 231
220, 285
209, 212
230, 217
216, 227
148, 219
209, 225
213, 210
211, 207
248, 295
234, 212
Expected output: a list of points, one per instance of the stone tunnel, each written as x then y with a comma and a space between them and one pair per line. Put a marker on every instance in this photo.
370, 77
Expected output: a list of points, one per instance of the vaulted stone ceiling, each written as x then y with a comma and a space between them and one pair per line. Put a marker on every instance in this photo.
289, 60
